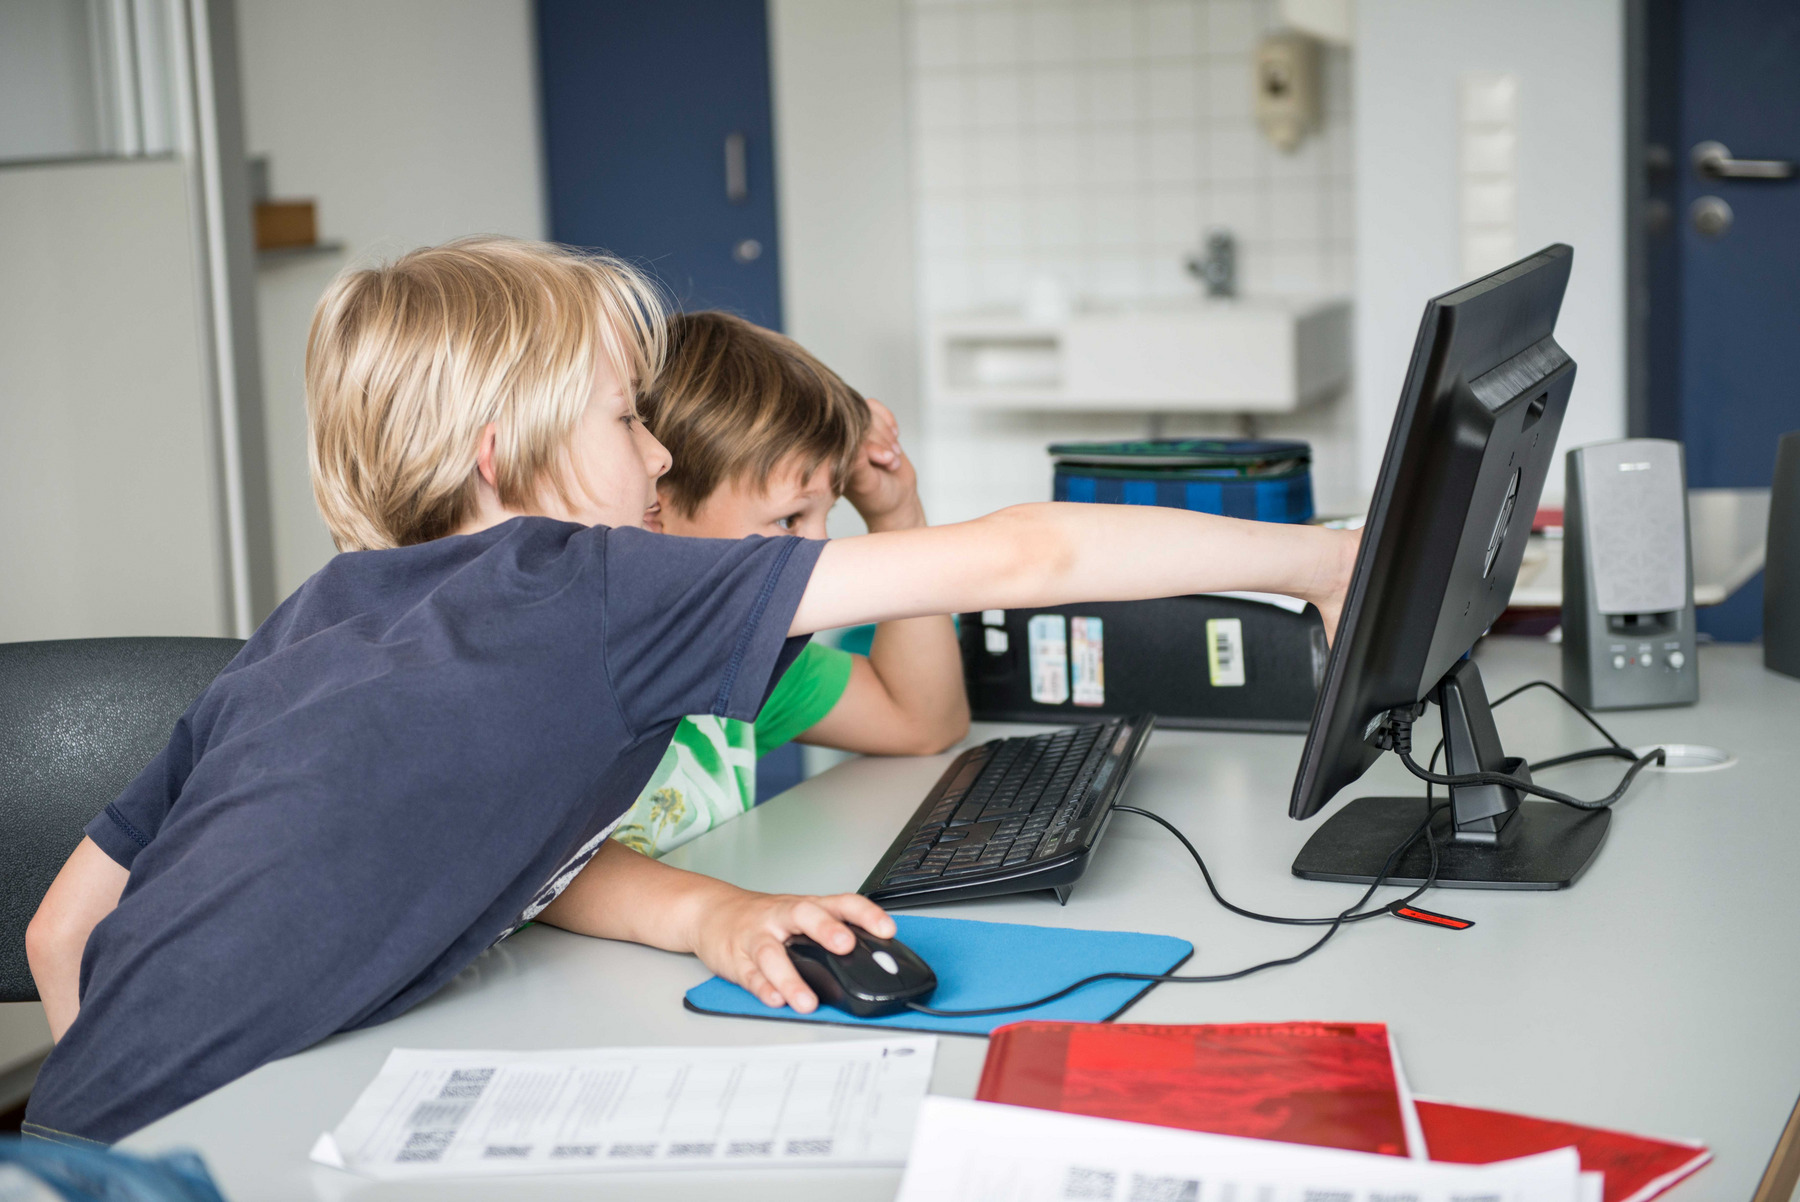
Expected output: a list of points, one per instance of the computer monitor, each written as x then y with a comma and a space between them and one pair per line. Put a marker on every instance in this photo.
1472, 443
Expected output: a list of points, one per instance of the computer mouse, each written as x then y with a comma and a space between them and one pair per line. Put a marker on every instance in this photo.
879, 977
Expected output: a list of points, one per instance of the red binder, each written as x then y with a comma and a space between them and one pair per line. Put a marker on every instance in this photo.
1636, 1168
1334, 1085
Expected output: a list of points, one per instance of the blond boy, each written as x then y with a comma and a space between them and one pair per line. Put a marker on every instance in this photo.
429, 742
765, 439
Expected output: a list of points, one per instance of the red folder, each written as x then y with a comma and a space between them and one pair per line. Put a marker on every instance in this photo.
1636, 1168
1334, 1085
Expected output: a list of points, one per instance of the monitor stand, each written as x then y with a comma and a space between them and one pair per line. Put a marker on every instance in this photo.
1490, 838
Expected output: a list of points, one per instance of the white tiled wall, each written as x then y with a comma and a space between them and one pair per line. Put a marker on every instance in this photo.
1096, 141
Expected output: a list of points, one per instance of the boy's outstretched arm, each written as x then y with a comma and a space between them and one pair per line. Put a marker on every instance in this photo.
907, 697
85, 891
740, 935
1054, 554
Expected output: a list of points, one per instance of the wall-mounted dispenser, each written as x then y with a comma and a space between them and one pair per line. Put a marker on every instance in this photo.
1287, 87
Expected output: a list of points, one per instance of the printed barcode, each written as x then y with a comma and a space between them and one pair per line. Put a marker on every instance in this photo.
466, 1083
1225, 652
432, 1115
809, 1147
1168, 1189
1089, 1185
425, 1146
751, 1147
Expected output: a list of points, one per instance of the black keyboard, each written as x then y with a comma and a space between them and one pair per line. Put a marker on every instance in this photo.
1011, 816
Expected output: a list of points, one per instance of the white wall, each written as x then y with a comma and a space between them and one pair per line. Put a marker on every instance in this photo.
1094, 145
1569, 59
410, 122
839, 81
109, 494
47, 91
844, 194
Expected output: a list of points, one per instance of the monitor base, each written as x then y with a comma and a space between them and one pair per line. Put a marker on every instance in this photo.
1542, 846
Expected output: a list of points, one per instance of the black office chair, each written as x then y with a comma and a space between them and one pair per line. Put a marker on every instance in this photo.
78, 719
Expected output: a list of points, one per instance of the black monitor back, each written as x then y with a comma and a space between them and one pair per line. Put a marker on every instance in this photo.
1466, 461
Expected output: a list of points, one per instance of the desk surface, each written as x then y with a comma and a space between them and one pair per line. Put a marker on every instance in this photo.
1659, 995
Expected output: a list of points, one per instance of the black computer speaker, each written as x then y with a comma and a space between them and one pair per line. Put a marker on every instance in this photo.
1781, 569
1628, 577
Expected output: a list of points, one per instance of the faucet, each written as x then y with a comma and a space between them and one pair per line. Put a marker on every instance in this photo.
1218, 267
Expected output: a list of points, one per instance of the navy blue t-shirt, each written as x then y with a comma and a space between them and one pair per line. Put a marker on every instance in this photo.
412, 756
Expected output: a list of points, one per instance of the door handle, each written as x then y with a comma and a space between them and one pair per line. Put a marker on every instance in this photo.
737, 169
1713, 160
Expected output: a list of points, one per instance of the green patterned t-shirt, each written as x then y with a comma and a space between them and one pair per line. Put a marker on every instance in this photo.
708, 775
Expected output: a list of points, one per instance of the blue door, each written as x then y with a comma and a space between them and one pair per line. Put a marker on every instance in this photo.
1724, 270
659, 143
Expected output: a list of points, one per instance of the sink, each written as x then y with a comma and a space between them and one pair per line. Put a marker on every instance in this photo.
1259, 355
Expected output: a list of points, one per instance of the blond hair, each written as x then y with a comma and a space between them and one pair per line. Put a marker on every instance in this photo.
408, 362
734, 401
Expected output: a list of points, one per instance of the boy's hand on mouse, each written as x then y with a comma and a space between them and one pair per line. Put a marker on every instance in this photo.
744, 938
883, 486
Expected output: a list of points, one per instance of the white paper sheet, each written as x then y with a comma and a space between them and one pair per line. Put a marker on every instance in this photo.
437, 1113
1293, 605
983, 1152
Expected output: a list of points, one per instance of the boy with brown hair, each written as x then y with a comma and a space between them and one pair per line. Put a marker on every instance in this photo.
764, 440
430, 741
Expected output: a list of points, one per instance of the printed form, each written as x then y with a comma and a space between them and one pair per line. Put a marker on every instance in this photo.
437, 1113
986, 1152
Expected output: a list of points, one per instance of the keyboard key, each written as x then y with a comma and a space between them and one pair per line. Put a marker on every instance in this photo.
906, 878
969, 811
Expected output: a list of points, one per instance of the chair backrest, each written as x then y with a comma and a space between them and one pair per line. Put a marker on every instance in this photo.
79, 718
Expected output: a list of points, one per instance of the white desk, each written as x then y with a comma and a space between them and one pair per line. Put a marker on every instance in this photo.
1661, 994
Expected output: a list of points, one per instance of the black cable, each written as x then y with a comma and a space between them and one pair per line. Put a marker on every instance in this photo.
1655, 756
1592, 753
1572, 704
1401, 740
1239, 910
1387, 867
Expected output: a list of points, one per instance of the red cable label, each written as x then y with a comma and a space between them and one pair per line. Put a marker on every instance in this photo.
1414, 914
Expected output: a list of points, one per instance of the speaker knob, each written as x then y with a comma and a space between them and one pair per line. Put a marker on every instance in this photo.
1619, 661
1677, 660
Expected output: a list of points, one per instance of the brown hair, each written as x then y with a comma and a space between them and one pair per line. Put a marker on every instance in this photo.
734, 400
409, 361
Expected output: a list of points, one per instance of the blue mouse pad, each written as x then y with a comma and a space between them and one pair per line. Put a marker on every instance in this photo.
982, 964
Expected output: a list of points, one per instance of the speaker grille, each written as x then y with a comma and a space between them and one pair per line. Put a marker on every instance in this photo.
1636, 522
